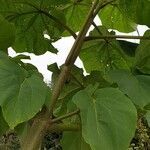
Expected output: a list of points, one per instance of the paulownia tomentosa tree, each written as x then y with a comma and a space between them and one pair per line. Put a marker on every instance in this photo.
95, 112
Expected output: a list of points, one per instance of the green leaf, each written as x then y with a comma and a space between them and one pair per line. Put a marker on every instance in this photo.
74, 141
53, 68
137, 10
142, 55
19, 57
103, 55
148, 118
128, 47
33, 19
32, 42
65, 104
27, 101
136, 87
3, 124
22, 93
108, 118
113, 18
96, 77
11, 75
76, 13
7, 34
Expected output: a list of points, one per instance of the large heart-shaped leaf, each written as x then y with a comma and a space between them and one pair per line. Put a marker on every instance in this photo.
136, 87
22, 93
108, 118
7, 34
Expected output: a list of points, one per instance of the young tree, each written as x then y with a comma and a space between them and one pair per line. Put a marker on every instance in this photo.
94, 112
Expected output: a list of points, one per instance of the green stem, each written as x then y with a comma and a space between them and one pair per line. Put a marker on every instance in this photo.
96, 27
59, 22
65, 116
113, 37
64, 127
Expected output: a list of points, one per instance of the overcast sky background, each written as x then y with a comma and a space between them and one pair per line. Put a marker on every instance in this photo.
64, 45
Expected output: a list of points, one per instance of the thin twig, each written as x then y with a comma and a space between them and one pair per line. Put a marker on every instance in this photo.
59, 127
96, 27
59, 22
65, 116
103, 37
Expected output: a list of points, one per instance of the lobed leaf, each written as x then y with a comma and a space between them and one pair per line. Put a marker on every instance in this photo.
32, 20
103, 55
76, 12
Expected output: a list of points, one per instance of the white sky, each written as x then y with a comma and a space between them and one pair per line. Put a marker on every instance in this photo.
64, 45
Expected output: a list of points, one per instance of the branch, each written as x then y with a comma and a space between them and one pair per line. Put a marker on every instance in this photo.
104, 37
65, 116
96, 27
80, 38
71, 58
59, 127
58, 87
97, 6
